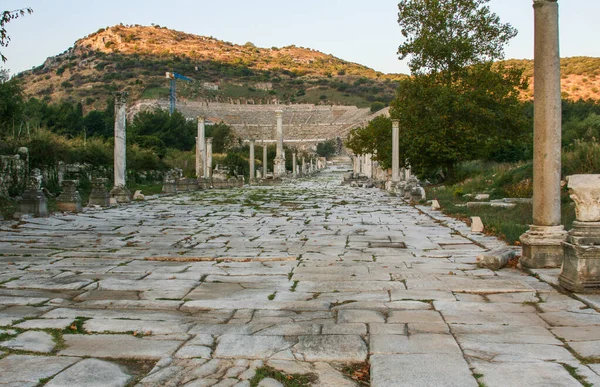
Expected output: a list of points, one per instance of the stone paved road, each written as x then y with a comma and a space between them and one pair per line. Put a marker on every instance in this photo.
203, 289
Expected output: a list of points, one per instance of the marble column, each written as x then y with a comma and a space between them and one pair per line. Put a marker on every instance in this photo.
294, 165
303, 166
200, 150
395, 151
252, 168
542, 244
120, 193
279, 166
265, 165
356, 164
208, 168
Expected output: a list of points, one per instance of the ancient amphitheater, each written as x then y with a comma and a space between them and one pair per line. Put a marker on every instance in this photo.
302, 123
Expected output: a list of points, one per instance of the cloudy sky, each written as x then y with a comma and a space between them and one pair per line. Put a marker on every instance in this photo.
362, 31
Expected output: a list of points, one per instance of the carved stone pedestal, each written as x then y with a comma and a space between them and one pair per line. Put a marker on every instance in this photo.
581, 266
542, 246
69, 199
34, 202
121, 194
99, 195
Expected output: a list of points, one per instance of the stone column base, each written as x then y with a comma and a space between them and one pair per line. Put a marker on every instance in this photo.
34, 202
279, 170
581, 267
121, 194
542, 246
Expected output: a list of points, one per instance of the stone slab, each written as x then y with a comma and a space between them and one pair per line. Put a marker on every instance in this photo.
91, 373
420, 370
118, 347
26, 370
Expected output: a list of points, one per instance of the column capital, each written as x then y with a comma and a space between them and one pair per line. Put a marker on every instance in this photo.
279, 113
209, 140
201, 118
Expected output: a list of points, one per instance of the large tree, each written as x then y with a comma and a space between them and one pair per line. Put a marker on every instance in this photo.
457, 104
373, 139
5, 18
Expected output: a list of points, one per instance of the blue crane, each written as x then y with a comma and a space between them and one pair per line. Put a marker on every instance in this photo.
173, 89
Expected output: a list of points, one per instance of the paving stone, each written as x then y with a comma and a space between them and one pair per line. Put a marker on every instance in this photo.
251, 347
360, 316
420, 370
25, 370
586, 349
32, 341
117, 347
268, 382
524, 353
336, 348
59, 323
414, 344
91, 373
415, 316
534, 374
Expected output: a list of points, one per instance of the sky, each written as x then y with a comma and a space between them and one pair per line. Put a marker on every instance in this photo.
361, 31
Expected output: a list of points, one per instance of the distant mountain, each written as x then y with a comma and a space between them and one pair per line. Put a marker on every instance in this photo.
136, 58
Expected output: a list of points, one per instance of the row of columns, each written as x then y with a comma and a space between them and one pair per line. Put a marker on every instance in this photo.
203, 151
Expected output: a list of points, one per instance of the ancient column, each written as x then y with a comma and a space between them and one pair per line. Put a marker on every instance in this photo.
395, 151
252, 178
200, 150
279, 166
208, 168
294, 165
120, 192
542, 244
264, 175
303, 166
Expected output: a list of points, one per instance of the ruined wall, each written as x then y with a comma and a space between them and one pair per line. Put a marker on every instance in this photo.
13, 173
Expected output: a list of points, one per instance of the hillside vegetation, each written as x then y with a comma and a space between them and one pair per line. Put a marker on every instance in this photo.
136, 58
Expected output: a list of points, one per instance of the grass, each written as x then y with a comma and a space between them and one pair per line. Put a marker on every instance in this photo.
292, 380
573, 372
499, 181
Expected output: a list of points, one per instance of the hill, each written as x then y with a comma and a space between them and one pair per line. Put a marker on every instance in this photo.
136, 58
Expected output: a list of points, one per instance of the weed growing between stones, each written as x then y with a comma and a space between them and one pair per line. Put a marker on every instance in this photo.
272, 296
479, 382
77, 326
292, 380
359, 372
293, 288
573, 372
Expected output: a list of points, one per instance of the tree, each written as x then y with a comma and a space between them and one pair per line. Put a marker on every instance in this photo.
447, 36
11, 103
327, 148
375, 139
458, 105
8, 16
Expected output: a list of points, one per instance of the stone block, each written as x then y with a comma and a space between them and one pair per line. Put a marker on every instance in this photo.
497, 259
91, 373
581, 267
69, 199
34, 202
121, 194
476, 224
542, 247
99, 196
